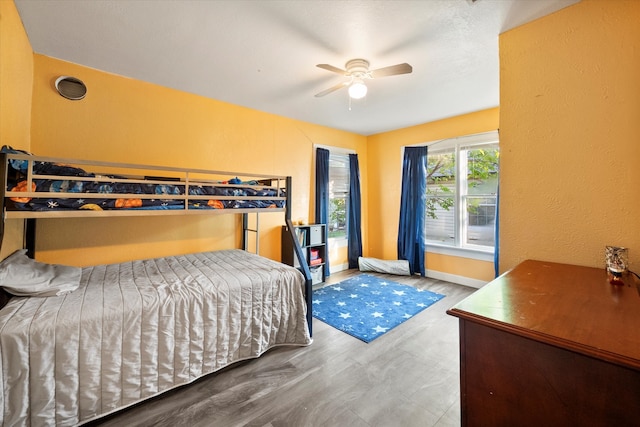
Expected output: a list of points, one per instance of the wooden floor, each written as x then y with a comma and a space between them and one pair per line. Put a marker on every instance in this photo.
407, 377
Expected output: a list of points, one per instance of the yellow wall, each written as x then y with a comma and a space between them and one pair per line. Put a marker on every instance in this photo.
385, 158
126, 120
16, 76
570, 135
483, 271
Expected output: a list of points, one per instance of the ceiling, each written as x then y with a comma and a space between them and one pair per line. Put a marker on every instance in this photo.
262, 54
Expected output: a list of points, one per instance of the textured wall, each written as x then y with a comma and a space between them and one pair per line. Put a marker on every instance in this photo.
16, 76
127, 120
570, 135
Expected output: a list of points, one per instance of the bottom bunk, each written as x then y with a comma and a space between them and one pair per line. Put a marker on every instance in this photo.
133, 330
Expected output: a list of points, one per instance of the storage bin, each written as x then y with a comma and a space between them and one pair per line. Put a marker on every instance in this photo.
315, 235
316, 275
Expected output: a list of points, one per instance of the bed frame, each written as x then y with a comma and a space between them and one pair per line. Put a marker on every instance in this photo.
145, 174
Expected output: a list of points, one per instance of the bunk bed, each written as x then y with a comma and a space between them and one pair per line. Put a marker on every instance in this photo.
79, 343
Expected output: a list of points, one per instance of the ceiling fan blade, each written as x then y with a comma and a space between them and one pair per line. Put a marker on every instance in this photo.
392, 70
332, 69
332, 89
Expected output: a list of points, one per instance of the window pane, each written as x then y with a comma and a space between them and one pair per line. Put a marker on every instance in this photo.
338, 216
440, 222
338, 195
482, 170
441, 191
482, 186
482, 215
441, 168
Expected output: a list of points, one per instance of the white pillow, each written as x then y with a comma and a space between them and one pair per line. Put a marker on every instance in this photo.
23, 276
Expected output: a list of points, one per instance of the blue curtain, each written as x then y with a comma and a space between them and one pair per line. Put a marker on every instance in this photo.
322, 196
354, 232
496, 252
411, 240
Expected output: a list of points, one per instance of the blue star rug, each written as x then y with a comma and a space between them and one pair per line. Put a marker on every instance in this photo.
367, 306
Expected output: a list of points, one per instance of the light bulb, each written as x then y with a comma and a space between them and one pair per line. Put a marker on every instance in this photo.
357, 89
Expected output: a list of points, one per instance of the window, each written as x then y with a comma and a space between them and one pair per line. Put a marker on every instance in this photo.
462, 184
338, 195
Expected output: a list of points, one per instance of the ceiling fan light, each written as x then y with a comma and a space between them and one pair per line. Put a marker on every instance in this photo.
357, 90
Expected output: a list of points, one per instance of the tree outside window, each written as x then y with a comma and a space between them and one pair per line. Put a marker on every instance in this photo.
338, 195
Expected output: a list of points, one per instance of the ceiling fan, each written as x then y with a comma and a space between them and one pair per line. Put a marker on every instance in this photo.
358, 71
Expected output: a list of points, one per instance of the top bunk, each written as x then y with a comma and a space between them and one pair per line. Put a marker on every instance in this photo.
47, 187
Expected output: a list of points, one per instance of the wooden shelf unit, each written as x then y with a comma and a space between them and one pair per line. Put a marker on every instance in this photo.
312, 240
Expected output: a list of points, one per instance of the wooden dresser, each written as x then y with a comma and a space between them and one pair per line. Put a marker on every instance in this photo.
550, 344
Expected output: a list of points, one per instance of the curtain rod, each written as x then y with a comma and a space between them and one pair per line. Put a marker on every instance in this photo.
336, 150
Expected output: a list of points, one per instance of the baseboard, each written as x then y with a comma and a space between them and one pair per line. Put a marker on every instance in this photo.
338, 268
460, 280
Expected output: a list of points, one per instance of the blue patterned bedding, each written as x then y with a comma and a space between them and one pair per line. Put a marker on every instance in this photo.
157, 194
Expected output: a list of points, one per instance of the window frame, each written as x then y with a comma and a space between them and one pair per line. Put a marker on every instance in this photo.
461, 220
338, 241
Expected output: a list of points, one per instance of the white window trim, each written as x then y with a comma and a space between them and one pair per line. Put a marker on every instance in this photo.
471, 253
339, 242
477, 253
336, 150
476, 138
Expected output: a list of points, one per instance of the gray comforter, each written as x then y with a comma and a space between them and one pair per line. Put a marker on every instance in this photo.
137, 329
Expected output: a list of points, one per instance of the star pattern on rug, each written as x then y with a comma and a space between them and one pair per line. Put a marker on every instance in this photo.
367, 306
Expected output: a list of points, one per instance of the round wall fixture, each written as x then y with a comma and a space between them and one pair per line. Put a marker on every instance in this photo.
71, 88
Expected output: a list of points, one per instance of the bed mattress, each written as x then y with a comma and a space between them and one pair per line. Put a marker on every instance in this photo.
36, 185
136, 329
